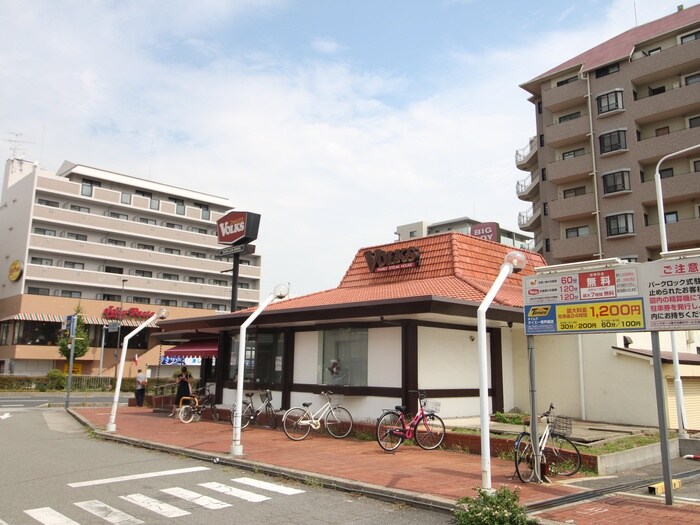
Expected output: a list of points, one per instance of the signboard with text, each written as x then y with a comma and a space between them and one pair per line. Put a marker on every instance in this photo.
672, 288
238, 227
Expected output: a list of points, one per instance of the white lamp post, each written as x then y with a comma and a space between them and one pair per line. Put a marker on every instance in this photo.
280, 292
678, 384
112, 425
514, 262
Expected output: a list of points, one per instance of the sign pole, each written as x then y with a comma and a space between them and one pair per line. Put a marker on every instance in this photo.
661, 409
73, 324
234, 281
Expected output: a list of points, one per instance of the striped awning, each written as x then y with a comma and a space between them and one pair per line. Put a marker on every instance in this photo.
209, 348
26, 316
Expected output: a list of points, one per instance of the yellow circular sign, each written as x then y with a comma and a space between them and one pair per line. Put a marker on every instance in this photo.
15, 271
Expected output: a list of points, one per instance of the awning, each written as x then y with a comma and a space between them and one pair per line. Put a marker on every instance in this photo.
46, 318
209, 348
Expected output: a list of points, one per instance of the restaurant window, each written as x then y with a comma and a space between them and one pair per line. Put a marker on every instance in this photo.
264, 354
343, 357
36, 333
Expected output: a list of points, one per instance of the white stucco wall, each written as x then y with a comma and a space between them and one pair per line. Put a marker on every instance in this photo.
384, 357
305, 357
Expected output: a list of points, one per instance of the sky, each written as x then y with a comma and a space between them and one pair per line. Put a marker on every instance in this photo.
335, 120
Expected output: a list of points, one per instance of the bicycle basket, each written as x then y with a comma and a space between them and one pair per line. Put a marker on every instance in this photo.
561, 425
431, 406
264, 397
337, 399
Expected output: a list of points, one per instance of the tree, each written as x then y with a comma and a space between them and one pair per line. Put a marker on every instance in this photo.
82, 343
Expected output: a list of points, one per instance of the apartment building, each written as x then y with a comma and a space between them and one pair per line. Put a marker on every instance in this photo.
116, 246
485, 230
604, 119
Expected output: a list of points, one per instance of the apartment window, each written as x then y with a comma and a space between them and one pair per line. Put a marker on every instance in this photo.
173, 225
689, 38
348, 348
179, 205
545, 208
45, 231
662, 131
670, 217
171, 251
73, 294
547, 245
573, 153
117, 215
192, 279
111, 297
219, 282
168, 302
694, 122
33, 290
114, 269
76, 236
542, 141
41, 261
654, 51
143, 273
148, 247
578, 231
142, 193
613, 141
656, 90
155, 204
666, 173
206, 214
219, 307
141, 300
44, 202
193, 304
630, 258
696, 166
539, 107
616, 181
692, 79
146, 220
81, 209
87, 186
543, 173
126, 198
621, 224
116, 242
574, 192
607, 70
171, 277
567, 81
570, 116
74, 265
244, 286
199, 255
610, 102
199, 230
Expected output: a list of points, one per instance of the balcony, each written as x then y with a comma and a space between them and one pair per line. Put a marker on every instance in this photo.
673, 60
571, 169
531, 219
569, 95
651, 149
526, 158
679, 100
681, 187
575, 248
568, 132
680, 235
582, 206
528, 188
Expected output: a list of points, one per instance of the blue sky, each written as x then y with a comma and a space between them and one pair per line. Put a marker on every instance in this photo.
335, 120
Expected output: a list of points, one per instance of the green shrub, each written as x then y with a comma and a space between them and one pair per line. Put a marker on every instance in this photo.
55, 380
510, 418
492, 508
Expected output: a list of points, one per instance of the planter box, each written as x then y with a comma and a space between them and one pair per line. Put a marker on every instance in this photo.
634, 458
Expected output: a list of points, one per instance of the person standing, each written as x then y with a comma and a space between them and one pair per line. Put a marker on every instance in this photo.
183, 388
140, 391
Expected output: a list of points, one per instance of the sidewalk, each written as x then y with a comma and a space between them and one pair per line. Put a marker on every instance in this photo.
433, 479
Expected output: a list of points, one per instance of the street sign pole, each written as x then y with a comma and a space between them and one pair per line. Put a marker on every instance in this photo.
73, 324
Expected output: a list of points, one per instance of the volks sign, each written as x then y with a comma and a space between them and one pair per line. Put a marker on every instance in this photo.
238, 227
381, 261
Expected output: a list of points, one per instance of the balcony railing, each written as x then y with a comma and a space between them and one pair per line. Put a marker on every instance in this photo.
522, 154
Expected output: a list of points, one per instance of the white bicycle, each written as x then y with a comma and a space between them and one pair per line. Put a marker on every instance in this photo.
298, 422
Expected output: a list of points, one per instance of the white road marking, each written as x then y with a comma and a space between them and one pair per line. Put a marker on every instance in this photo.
198, 499
11, 406
272, 487
3, 523
233, 491
107, 513
5, 415
48, 516
159, 507
136, 476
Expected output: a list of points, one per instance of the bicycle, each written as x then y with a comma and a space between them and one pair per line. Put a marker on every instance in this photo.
251, 414
426, 427
560, 456
190, 412
298, 422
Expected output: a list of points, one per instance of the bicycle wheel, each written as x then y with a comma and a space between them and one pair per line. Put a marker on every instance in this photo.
429, 432
186, 414
390, 431
524, 457
214, 411
246, 417
270, 417
296, 424
562, 456
338, 422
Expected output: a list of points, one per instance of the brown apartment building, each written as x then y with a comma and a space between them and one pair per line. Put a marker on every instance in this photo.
604, 119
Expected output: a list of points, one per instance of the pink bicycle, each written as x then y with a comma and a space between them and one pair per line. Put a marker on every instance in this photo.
426, 427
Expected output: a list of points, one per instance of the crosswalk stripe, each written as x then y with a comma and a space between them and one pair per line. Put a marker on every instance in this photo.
3, 522
48, 516
198, 499
107, 513
233, 491
137, 476
159, 507
272, 487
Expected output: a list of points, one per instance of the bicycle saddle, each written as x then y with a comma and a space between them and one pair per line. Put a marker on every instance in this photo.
306, 405
401, 408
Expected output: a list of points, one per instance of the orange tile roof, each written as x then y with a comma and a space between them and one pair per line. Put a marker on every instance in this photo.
452, 266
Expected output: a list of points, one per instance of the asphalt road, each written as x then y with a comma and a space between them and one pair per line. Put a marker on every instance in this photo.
11, 401
54, 473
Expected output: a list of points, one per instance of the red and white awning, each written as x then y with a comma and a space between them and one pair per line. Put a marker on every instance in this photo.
208, 348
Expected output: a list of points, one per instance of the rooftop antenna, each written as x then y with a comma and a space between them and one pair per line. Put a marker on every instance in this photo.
16, 152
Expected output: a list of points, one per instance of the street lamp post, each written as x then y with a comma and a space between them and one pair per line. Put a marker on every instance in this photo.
514, 262
280, 292
112, 424
678, 384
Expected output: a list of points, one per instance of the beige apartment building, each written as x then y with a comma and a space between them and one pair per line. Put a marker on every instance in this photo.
604, 119
108, 243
